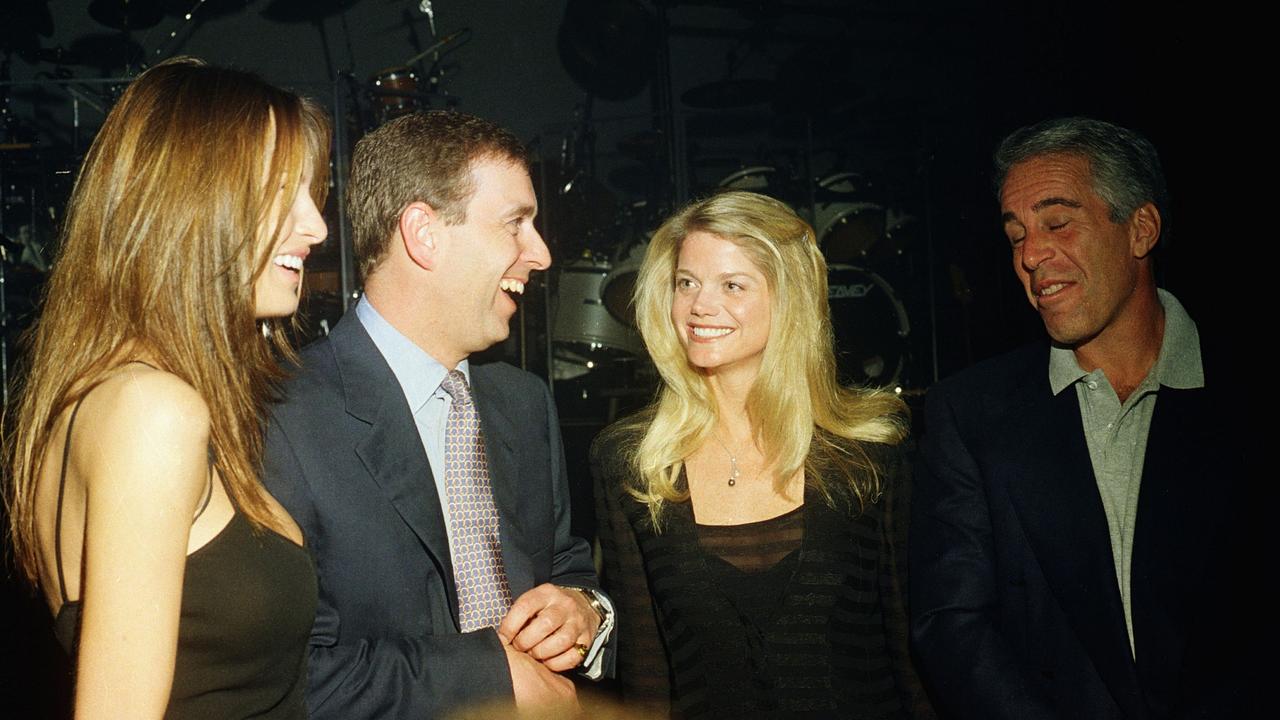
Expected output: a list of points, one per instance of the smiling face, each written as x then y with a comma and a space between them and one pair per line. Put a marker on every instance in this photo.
721, 308
275, 291
1079, 269
485, 261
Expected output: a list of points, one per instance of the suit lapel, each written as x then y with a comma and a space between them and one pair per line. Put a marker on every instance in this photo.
500, 438
392, 451
1178, 522
1055, 495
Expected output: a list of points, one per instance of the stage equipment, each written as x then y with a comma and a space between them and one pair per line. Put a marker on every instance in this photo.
870, 324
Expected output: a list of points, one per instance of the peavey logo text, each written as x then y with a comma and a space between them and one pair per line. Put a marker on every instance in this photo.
850, 291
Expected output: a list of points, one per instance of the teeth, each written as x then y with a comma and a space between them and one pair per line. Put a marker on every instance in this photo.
512, 285
293, 262
711, 332
1051, 289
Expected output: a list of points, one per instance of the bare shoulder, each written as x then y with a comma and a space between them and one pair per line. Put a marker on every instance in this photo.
141, 409
143, 397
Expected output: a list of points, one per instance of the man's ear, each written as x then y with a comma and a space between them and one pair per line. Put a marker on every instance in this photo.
417, 225
1144, 230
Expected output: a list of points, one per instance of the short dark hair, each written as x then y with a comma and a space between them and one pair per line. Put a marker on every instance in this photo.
420, 157
1123, 165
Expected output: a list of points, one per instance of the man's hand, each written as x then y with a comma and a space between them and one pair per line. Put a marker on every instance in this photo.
549, 623
538, 688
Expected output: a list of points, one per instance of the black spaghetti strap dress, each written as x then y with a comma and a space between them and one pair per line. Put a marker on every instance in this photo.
248, 603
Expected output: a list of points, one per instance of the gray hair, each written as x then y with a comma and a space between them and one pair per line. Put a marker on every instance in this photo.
1125, 169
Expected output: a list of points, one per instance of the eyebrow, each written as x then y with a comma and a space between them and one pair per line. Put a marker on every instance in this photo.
520, 211
1009, 217
721, 276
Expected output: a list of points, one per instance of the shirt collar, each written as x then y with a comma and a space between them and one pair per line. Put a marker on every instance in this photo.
1178, 366
418, 373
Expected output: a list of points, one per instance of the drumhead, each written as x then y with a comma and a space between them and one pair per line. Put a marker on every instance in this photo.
870, 326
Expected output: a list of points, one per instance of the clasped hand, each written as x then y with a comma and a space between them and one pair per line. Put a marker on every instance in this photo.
541, 633
550, 623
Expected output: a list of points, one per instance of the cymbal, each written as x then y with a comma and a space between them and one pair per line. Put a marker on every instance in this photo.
607, 46
732, 93
126, 14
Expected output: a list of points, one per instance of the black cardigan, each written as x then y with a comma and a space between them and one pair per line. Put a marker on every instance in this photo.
837, 647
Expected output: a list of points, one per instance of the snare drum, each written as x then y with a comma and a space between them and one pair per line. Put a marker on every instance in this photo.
848, 222
870, 325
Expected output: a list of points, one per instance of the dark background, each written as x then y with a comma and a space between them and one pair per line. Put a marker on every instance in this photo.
911, 95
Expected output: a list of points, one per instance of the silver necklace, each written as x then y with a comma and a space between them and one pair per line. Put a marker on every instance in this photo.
733, 461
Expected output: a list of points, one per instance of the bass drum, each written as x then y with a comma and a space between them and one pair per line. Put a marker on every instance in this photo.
848, 220
870, 325
583, 328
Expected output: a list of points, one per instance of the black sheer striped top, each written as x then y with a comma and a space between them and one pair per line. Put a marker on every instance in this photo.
799, 616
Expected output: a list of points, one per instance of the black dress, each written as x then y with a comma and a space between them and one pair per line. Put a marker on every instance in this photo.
800, 616
248, 603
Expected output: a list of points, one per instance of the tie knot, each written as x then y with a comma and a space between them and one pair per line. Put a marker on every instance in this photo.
455, 383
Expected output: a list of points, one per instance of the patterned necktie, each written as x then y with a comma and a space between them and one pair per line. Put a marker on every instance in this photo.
483, 593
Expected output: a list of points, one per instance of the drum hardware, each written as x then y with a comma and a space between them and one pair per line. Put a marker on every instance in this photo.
401, 89
395, 93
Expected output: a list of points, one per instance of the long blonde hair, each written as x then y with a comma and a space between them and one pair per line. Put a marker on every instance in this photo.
164, 237
798, 409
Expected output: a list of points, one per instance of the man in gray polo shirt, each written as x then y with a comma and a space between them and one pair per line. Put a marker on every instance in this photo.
1072, 511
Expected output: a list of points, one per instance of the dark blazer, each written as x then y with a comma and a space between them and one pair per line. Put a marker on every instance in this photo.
1015, 607
344, 457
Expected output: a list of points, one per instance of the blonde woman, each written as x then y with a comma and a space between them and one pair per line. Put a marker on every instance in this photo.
750, 518
179, 586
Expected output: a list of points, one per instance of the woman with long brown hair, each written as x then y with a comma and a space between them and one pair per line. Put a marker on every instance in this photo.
750, 518
178, 584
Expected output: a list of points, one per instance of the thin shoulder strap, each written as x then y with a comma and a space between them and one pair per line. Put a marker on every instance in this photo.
62, 487
208, 490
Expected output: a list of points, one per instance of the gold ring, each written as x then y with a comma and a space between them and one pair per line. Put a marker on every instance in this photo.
582, 650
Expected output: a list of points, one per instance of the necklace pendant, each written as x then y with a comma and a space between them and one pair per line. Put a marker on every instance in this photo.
733, 480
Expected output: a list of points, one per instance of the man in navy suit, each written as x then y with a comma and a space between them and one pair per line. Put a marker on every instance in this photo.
1076, 548
424, 608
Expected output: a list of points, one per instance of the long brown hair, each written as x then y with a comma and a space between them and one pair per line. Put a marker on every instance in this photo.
165, 233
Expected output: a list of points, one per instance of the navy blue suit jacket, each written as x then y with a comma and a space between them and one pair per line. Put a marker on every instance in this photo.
344, 457
1016, 611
